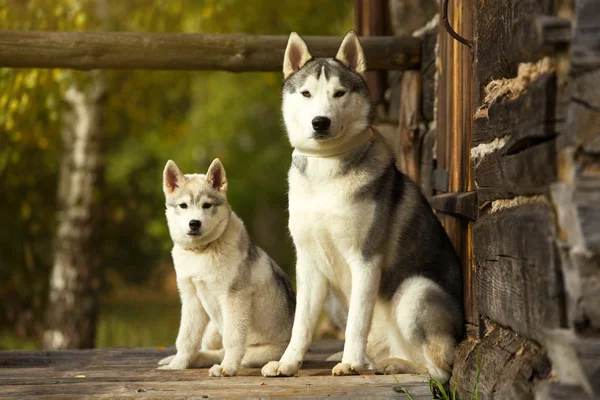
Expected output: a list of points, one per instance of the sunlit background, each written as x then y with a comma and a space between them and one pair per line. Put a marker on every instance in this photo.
149, 117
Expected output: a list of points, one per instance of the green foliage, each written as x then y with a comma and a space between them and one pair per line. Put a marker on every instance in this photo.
150, 117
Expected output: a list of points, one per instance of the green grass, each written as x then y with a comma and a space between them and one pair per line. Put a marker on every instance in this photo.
439, 392
137, 324
134, 323
10, 341
403, 389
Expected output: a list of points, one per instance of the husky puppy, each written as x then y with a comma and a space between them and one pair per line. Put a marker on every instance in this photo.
224, 278
363, 228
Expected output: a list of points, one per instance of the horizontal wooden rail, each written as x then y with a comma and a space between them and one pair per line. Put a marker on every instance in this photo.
185, 51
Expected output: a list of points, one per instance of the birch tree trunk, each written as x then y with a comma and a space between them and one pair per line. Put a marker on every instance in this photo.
72, 309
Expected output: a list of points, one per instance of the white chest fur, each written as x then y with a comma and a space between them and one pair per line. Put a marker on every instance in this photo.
326, 218
210, 275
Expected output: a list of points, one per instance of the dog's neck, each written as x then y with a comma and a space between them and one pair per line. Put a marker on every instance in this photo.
343, 148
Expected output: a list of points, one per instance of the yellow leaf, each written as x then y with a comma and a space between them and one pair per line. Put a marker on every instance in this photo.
13, 105
24, 99
9, 124
80, 20
25, 210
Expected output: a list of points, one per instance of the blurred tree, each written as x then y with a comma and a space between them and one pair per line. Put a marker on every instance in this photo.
72, 310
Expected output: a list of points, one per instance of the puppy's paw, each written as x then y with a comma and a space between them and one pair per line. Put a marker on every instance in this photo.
275, 368
166, 360
346, 369
219, 370
178, 363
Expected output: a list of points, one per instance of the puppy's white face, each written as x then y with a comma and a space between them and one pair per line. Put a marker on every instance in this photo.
197, 209
325, 100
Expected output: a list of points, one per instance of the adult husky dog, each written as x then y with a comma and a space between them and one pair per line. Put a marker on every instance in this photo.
362, 227
224, 278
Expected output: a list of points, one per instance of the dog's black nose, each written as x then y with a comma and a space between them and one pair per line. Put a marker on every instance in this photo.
321, 124
195, 224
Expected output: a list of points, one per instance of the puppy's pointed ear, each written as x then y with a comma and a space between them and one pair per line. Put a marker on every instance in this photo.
172, 177
296, 55
351, 54
216, 176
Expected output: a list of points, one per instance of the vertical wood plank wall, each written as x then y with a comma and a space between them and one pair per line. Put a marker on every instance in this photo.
454, 118
371, 18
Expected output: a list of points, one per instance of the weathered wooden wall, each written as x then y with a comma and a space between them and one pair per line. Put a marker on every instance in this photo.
504, 140
535, 154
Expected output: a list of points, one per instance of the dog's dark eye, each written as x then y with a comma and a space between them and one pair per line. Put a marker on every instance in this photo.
183, 205
305, 93
206, 205
339, 93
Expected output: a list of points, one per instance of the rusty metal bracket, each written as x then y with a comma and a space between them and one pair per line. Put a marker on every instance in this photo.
451, 30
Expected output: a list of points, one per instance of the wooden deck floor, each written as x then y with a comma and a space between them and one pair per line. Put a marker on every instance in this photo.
122, 373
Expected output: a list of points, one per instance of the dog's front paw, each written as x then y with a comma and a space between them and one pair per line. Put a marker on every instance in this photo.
346, 369
166, 360
275, 368
178, 363
219, 370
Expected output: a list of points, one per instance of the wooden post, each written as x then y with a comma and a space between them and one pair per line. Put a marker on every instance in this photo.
371, 18
454, 118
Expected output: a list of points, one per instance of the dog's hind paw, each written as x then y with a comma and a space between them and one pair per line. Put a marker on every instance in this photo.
391, 366
219, 370
346, 369
336, 357
275, 368
166, 360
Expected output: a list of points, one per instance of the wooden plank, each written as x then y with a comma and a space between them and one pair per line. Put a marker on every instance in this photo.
584, 112
508, 364
427, 161
127, 373
185, 51
463, 204
553, 30
518, 280
577, 205
371, 18
409, 149
506, 35
576, 359
587, 201
524, 119
558, 391
428, 73
502, 174
453, 123
585, 48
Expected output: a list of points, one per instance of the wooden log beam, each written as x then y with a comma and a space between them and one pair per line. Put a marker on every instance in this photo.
518, 280
185, 51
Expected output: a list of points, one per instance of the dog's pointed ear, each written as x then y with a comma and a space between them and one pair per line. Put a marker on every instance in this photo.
216, 176
172, 177
351, 54
296, 55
